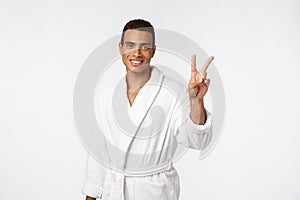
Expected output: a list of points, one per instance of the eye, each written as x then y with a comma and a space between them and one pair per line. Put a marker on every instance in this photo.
130, 46
145, 47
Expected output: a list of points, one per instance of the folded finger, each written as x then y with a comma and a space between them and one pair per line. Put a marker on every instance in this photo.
207, 82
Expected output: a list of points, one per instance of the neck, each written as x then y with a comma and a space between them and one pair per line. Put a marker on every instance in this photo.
136, 80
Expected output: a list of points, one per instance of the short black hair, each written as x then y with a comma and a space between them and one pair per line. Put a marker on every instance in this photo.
141, 25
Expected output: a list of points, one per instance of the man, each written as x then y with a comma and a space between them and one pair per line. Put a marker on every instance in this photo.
190, 124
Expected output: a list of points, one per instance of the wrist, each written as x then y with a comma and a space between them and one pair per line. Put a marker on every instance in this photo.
198, 114
196, 102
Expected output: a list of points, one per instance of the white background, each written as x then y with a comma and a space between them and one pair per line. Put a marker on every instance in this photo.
256, 45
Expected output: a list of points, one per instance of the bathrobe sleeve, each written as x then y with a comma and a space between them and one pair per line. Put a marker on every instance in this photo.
187, 132
94, 178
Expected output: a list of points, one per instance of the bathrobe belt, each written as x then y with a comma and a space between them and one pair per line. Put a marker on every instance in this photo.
117, 181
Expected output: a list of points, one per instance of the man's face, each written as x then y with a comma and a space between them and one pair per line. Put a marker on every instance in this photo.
137, 50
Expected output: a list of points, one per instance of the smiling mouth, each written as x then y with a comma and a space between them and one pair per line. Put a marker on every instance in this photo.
136, 63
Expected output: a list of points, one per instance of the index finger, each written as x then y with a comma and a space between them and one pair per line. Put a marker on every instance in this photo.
193, 63
207, 63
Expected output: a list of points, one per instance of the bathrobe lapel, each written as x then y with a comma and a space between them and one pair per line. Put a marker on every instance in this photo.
126, 120
130, 118
146, 97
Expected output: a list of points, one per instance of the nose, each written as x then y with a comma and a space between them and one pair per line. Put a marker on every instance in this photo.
136, 52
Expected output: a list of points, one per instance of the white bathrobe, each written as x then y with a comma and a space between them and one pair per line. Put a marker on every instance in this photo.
146, 136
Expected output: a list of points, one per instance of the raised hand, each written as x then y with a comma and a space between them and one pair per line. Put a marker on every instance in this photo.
198, 84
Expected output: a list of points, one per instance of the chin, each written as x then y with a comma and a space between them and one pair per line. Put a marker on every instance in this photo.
139, 69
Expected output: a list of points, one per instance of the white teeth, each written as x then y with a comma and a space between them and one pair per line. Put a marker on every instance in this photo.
136, 62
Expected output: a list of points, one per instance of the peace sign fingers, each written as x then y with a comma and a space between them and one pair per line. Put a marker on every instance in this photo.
194, 70
199, 75
203, 72
193, 63
207, 63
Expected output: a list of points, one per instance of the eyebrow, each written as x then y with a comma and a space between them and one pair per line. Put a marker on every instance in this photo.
129, 43
145, 43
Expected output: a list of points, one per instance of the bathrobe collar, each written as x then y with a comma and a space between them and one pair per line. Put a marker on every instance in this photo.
145, 97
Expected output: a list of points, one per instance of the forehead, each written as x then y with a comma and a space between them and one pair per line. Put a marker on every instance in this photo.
137, 36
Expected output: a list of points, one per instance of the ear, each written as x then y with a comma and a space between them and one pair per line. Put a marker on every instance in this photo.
120, 48
153, 51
